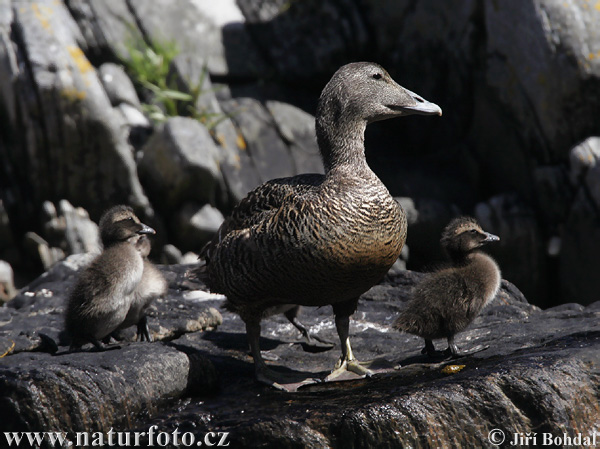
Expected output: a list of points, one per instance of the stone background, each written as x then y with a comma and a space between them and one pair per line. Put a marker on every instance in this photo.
517, 146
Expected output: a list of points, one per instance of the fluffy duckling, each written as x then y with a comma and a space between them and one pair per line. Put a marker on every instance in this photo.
105, 290
312, 239
446, 301
152, 286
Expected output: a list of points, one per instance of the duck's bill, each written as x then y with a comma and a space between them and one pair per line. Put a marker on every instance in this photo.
146, 230
420, 106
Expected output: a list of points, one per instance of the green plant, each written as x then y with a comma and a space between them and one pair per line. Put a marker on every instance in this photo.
149, 66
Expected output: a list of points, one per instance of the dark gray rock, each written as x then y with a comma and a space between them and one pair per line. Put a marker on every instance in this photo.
537, 364
179, 164
579, 251
297, 128
521, 250
427, 218
197, 225
270, 155
107, 27
512, 386
306, 39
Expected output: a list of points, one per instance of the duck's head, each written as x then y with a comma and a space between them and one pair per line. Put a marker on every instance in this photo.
365, 90
119, 224
464, 235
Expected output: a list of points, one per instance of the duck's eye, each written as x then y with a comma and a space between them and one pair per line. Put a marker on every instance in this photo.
377, 76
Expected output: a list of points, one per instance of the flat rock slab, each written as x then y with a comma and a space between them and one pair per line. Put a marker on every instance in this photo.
540, 374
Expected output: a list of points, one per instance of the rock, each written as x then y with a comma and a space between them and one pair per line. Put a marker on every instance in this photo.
108, 27
520, 251
579, 251
71, 229
302, 40
8, 248
66, 140
7, 282
269, 153
179, 164
197, 225
582, 157
234, 161
427, 218
203, 381
117, 85
540, 55
554, 194
297, 128
215, 34
40, 252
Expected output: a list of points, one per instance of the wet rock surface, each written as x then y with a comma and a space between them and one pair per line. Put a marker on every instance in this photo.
538, 366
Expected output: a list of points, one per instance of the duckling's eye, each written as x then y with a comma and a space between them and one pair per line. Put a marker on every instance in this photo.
377, 76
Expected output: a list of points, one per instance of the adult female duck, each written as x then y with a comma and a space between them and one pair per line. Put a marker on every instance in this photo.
315, 240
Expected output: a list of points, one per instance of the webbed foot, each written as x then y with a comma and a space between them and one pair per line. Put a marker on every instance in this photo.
283, 382
344, 365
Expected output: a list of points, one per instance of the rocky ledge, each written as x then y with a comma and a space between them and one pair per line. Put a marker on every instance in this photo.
540, 373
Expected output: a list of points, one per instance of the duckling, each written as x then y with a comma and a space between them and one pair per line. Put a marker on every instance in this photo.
446, 301
104, 291
313, 239
153, 285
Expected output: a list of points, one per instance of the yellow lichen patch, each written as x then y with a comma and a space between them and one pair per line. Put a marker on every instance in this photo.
592, 56
452, 369
43, 14
241, 143
221, 140
9, 350
81, 61
73, 94
597, 5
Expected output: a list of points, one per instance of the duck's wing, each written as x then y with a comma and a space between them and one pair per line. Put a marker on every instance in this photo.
259, 204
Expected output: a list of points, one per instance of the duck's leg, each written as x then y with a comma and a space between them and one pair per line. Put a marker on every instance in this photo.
455, 353
347, 361
429, 349
143, 333
313, 341
262, 372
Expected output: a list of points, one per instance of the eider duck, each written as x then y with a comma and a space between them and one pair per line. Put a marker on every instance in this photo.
446, 301
153, 285
104, 291
313, 239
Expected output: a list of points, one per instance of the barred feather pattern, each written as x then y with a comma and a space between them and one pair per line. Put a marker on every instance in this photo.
306, 240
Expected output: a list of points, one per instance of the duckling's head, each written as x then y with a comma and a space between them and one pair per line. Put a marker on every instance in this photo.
119, 224
365, 90
464, 235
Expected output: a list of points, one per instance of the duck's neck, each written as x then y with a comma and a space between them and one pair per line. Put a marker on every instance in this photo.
341, 140
460, 258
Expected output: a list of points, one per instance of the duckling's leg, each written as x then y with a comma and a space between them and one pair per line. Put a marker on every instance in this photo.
429, 349
143, 333
263, 373
455, 353
347, 361
312, 341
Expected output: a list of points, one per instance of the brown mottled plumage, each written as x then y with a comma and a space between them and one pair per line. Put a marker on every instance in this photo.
446, 301
314, 239
104, 291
